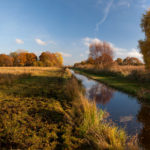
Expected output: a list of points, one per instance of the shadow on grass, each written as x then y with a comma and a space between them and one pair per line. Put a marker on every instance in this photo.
49, 116
35, 86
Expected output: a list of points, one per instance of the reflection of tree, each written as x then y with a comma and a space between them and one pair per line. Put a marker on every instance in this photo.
144, 118
100, 93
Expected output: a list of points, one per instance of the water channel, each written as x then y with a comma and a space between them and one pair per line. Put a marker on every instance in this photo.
124, 110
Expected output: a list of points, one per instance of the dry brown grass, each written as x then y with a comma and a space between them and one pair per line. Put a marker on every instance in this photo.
24, 70
126, 70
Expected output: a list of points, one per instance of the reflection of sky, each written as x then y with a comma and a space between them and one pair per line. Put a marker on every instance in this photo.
122, 108
126, 118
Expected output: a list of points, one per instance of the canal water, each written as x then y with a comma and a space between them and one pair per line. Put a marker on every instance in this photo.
124, 110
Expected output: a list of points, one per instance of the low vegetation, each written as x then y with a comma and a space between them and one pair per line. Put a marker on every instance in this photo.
43, 108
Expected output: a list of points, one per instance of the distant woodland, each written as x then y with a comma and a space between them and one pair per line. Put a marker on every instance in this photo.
24, 58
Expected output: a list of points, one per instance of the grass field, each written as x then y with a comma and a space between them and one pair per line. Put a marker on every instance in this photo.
43, 108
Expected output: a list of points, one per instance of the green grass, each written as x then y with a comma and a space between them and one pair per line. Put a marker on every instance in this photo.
45, 109
120, 82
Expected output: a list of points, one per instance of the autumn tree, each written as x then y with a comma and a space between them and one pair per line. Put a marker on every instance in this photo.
144, 45
90, 60
45, 57
17, 55
119, 61
6, 60
30, 59
24, 58
21, 59
59, 58
131, 61
14, 55
51, 59
102, 54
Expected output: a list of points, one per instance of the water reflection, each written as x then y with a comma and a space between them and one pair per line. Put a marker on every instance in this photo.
144, 117
100, 93
126, 118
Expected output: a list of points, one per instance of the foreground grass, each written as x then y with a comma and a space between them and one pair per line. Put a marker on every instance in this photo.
120, 82
43, 108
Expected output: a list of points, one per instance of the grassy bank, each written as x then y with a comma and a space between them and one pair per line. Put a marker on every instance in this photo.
128, 84
43, 108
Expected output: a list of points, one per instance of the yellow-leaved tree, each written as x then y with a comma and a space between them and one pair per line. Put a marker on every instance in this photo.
59, 58
144, 45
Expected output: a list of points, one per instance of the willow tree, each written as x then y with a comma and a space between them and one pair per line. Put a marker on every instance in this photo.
144, 45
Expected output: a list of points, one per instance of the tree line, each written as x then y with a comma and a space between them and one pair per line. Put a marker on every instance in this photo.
129, 61
24, 58
101, 56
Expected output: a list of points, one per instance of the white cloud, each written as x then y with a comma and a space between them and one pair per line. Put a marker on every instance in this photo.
123, 53
87, 41
106, 12
65, 54
19, 41
40, 42
118, 52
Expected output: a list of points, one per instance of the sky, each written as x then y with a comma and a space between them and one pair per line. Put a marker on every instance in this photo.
69, 26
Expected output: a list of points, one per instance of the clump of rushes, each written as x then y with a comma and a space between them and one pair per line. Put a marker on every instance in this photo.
99, 134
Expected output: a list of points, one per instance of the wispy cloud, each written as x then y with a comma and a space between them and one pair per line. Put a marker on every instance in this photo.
19, 41
65, 54
40, 42
106, 12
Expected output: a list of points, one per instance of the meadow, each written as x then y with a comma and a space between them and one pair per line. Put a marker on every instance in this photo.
44, 108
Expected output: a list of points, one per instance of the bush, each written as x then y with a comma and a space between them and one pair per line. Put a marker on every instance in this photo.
139, 76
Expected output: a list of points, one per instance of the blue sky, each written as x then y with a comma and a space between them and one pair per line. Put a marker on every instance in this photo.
69, 26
